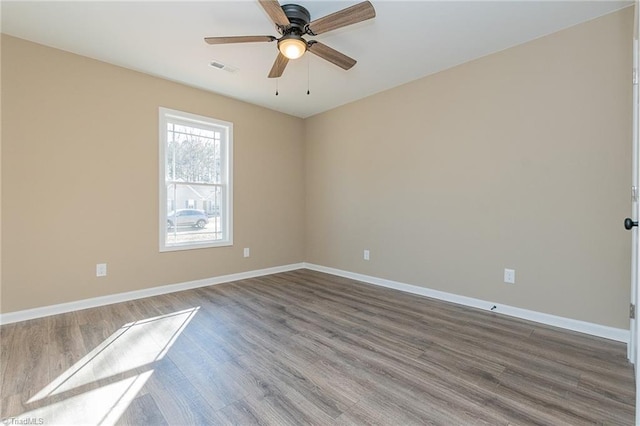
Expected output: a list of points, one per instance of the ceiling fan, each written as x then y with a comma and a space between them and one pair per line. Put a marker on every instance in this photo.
292, 22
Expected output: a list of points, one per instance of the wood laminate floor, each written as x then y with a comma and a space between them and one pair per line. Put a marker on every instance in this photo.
304, 347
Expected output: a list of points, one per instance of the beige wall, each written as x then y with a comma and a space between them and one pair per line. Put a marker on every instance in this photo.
0, 179
520, 159
80, 180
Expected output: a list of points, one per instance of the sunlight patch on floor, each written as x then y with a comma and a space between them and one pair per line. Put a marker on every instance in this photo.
101, 406
98, 388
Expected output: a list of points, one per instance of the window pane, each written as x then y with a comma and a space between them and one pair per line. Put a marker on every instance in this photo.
197, 218
193, 155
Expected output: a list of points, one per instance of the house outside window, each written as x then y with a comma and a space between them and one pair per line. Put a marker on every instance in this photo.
195, 176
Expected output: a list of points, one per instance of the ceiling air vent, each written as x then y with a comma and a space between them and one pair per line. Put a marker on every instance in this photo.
219, 65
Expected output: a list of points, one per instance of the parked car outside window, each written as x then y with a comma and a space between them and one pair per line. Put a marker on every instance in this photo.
187, 217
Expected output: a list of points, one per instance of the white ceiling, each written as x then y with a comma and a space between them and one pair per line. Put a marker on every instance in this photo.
406, 41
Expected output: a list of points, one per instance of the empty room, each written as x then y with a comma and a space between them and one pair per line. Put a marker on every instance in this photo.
319, 212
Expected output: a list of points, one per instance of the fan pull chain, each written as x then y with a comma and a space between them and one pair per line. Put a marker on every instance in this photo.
308, 79
277, 86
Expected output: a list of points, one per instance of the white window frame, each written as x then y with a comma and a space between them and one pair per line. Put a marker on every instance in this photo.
226, 211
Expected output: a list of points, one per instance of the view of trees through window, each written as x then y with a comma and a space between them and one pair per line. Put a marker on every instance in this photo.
193, 154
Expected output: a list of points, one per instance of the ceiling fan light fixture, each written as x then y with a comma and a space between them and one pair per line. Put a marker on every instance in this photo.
292, 46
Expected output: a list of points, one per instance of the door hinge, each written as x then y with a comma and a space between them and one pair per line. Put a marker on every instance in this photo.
632, 311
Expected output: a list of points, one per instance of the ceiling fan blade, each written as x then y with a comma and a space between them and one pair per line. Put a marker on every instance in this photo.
331, 55
238, 39
351, 15
278, 66
275, 12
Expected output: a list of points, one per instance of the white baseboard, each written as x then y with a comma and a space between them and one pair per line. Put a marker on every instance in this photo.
62, 308
617, 334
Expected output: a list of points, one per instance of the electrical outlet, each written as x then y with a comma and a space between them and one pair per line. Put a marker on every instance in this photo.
247, 252
366, 255
510, 276
101, 270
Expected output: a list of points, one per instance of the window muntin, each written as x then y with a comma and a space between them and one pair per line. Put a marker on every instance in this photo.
195, 181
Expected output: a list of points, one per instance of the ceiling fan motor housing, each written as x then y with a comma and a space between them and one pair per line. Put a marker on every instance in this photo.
298, 16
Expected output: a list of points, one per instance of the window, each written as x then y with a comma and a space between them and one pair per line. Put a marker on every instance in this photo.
195, 181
